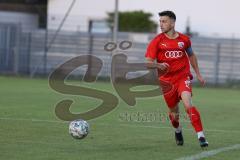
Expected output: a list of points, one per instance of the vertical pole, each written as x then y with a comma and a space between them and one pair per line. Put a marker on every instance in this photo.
7, 50
115, 32
231, 75
115, 26
45, 52
217, 61
90, 51
45, 45
29, 53
17, 48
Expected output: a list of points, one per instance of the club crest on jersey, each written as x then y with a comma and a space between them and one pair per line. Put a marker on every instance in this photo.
180, 45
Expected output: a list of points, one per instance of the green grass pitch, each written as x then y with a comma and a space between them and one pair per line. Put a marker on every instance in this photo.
29, 129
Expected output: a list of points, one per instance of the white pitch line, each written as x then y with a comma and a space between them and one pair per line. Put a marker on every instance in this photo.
29, 141
127, 125
32, 120
210, 153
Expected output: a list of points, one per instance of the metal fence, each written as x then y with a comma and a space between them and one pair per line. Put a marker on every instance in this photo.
40, 52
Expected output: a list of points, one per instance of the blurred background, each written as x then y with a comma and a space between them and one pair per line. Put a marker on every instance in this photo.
36, 36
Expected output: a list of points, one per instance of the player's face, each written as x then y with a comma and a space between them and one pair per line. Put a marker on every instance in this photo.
166, 24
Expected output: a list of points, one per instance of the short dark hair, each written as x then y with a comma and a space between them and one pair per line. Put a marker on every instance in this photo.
170, 14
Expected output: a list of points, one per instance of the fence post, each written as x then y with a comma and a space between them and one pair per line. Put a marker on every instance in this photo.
90, 52
46, 48
217, 61
29, 47
16, 49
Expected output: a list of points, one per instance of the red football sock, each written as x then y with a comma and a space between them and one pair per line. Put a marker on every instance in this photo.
195, 119
175, 123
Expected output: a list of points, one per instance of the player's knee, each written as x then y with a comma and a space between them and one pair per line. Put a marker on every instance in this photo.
187, 107
187, 104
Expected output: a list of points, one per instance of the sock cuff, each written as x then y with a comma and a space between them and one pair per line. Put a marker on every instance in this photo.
192, 109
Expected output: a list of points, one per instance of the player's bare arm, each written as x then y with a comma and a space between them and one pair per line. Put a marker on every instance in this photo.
152, 64
194, 64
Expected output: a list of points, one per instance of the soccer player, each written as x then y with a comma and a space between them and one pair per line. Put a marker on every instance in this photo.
173, 52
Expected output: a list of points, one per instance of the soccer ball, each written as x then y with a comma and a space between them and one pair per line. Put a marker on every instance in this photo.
78, 129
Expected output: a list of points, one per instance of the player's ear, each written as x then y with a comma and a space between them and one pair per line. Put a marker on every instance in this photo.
172, 22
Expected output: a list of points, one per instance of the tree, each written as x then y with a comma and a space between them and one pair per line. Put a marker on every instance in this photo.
133, 21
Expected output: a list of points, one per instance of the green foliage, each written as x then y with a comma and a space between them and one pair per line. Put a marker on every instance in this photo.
133, 21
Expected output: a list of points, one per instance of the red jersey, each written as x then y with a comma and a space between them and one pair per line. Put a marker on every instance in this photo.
173, 52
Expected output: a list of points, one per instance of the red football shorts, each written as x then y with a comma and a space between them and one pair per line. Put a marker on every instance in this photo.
173, 96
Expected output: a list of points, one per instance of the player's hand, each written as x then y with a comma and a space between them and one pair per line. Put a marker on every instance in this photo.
201, 80
163, 66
